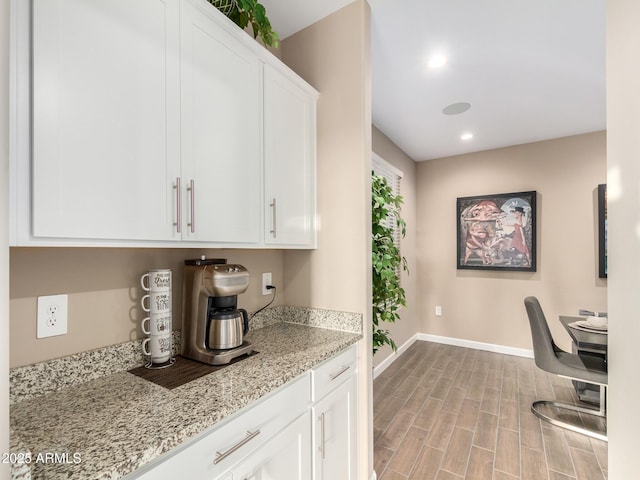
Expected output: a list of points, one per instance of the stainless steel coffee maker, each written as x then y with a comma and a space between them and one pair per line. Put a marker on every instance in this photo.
213, 327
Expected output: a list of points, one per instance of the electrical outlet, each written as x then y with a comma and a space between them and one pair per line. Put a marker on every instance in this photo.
52, 316
266, 280
438, 311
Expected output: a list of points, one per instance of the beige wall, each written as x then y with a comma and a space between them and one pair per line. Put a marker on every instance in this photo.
487, 306
409, 324
4, 234
333, 55
104, 291
623, 180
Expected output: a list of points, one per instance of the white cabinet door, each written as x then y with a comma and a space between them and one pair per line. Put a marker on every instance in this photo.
334, 434
285, 457
220, 131
289, 152
105, 118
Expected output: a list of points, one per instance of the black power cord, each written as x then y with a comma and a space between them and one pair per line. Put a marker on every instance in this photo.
268, 287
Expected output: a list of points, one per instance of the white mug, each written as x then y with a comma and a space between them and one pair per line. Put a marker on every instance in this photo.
157, 324
158, 347
159, 302
157, 280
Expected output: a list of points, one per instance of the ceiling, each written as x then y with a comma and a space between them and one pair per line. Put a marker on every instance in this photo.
289, 16
531, 69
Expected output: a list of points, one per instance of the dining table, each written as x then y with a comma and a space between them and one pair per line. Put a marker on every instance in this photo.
586, 343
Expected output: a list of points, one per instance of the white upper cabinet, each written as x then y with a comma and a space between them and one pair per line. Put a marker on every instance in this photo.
220, 131
155, 123
105, 118
289, 156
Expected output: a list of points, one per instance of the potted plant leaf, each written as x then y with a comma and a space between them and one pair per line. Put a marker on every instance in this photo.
387, 294
249, 12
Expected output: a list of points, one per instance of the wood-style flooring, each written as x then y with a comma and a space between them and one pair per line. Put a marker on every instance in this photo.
450, 413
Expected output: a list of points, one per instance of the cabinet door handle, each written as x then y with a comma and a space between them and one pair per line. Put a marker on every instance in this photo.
221, 456
273, 217
192, 200
344, 368
322, 447
178, 188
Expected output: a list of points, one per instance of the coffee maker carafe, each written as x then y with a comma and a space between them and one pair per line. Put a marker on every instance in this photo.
213, 327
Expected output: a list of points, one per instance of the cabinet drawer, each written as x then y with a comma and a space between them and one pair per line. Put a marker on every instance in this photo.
217, 451
332, 373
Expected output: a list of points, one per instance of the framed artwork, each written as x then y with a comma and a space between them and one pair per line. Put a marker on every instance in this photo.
602, 231
497, 232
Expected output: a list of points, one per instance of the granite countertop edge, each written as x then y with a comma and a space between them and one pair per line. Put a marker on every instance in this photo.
118, 417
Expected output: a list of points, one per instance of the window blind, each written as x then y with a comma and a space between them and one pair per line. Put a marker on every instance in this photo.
393, 175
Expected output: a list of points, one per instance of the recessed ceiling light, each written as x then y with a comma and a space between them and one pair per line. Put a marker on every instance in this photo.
466, 136
437, 61
456, 108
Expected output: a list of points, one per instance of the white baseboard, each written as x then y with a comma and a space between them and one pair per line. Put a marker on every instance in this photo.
425, 337
373, 475
489, 347
392, 358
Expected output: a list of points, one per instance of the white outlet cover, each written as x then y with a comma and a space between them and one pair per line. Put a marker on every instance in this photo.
52, 316
266, 280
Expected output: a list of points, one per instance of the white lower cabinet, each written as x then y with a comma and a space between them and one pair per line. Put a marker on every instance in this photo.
335, 434
282, 437
335, 419
286, 457
242, 441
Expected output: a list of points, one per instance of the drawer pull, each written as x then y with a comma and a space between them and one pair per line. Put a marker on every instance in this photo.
221, 456
344, 368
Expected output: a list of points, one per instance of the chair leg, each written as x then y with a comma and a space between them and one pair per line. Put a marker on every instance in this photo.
599, 412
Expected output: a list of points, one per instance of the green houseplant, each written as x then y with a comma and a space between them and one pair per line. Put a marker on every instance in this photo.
387, 294
245, 12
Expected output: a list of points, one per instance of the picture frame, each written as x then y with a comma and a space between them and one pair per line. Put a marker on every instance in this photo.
602, 231
497, 232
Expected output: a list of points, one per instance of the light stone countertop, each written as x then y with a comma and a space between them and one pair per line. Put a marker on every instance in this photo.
120, 422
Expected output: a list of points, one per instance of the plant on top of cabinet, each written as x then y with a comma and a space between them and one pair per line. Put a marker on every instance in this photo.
387, 294
245, 12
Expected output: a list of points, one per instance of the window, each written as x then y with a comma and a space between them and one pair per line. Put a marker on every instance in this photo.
393, 175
